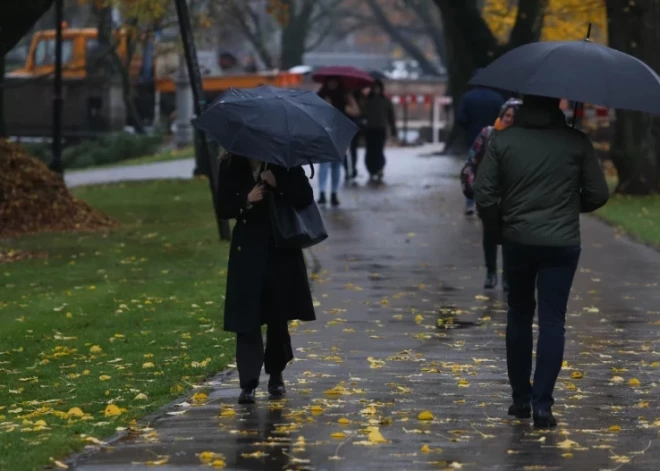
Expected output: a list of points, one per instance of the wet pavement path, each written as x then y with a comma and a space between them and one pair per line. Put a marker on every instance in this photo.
406, 332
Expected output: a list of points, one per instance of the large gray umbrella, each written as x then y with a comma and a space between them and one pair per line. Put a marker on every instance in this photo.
580, 71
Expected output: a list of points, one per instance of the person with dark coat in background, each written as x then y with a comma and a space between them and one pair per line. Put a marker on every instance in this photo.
479, 107
538, 175
379, 114
265, 284
334, 93
350, 164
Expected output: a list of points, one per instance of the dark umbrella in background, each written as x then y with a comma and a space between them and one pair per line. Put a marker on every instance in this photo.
277, 125
580, 71
351, 77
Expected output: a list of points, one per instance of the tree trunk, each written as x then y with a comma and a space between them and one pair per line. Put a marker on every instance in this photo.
3, 123
632, 29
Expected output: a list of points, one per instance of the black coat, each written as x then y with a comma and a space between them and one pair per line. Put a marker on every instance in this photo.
264, 283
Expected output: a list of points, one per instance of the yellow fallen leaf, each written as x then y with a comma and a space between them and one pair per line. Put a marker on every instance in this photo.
199, 398
207, 457
147, 365
162, 460
338, 435
59, 464
218, 463
141, 397
112, 410
425, 415
316, 409
634, 382
567, 444
256, 454
419, 319
375, 436
228, 413
75, 412
577, 375
617, 379
614, 428
95, 349
343, 421
95, 441
463, 383
105, 377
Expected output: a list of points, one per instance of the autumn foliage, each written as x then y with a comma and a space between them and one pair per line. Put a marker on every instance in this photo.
34, 199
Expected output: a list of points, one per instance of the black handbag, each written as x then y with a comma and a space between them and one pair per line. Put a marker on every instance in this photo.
296, 228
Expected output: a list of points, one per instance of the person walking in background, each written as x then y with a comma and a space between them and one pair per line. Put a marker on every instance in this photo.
265, 284
350, 163
536, 178
468, 174
379, 113
479, 107
334, 93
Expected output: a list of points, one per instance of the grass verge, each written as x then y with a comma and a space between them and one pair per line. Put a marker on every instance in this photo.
166, 156
638, 217
110, 326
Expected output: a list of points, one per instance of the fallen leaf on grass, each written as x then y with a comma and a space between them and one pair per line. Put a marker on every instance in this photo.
111, 410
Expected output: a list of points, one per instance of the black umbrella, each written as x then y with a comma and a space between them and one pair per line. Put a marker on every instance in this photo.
276, 125
580, 71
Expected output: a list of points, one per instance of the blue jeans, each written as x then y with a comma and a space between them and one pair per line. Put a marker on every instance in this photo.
335, 169
550, 272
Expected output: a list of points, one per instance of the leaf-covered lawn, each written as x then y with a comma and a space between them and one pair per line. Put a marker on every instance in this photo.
110, 326
637, 216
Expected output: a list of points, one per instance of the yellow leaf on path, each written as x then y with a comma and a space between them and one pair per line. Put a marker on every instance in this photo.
425, 415
75, 412
112, 410
419, 319
147, 365
343, 421
256, 454
59, 464
614, 428
411, 234
373, 363
577, 375
162, 460
634, 382
463, 383
228, 413
375, 436
207, 457
617, 379
567, 444
384, 302
218, 463
105, 377
481, 297
317, 409
199, 398
95, 349
338, 435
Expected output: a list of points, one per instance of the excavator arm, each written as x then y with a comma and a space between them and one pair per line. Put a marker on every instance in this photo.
16, 19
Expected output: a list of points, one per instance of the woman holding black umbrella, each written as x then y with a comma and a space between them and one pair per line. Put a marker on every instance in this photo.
265, 284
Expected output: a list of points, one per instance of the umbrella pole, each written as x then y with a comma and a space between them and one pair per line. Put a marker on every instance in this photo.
577, 103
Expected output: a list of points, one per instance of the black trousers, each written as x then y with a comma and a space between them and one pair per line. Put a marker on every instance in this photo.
548, 271
489, 243
375, 157
351, 168
250, 354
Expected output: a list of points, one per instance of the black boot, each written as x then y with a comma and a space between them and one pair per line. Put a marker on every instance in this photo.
544, 419
247, 396
491, 281
276, 387
334, 200
520, 411
322, 199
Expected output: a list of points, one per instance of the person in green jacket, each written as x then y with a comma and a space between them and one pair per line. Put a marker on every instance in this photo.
535, 180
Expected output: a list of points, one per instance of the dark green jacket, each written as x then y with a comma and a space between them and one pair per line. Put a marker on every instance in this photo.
536, 179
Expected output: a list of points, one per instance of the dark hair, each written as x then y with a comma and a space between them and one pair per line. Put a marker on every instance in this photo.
337, 95
377, 83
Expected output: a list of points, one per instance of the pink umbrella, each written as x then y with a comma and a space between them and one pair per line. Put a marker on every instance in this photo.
351, 77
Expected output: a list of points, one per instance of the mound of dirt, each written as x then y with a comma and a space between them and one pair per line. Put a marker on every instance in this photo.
34, 199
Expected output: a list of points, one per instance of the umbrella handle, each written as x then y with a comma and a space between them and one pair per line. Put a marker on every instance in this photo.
312, 167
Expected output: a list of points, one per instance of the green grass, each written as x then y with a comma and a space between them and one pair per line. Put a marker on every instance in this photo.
149, 292
636, 216
167, 156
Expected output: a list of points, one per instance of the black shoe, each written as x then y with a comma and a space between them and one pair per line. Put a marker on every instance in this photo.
276, 387
469, 211
491, 281
354, 174
247, 396
322, 199
544, 419
334, 200
505, 285
520, 411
